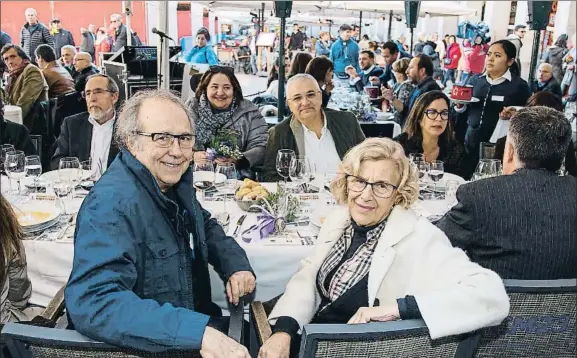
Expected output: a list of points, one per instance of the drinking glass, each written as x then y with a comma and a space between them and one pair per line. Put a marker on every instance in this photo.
299, 171
330, 176
422, 170
228, 187
283, 161
33, 168
15, 167
498, 167
436, 172
4, 149
415, 157
486, 168
69, 170
451, 187
203, 177
62, 189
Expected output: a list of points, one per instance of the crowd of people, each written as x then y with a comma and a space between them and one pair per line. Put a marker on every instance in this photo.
143, 242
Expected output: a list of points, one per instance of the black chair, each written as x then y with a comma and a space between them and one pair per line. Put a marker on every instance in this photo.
37, 141
486, 150
378, 130
541, 322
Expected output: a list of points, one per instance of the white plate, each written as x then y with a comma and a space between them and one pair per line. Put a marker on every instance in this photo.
462, 101
53, 176
208, 176
41, 213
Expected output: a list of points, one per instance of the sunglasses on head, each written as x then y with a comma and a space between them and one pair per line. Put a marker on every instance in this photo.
224, 69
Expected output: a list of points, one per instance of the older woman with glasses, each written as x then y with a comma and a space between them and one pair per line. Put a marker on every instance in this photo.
429, 131
376, 260
218, 106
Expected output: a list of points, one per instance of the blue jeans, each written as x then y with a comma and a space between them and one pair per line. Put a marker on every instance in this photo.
253, 63
449, 75
464, 77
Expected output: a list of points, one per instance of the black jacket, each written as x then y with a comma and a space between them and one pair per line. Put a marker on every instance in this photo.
75, 140
62, 38
297, 41
552, 86
427, 85
522, 226
17, 135
87, 44
82, 77
30, 41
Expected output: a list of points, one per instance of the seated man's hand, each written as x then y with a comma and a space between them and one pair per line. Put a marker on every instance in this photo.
351, 71
240, 284
374, 80
217, 345
379, 314
277, 346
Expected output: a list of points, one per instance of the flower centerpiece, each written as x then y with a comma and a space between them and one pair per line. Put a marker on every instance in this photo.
224, 144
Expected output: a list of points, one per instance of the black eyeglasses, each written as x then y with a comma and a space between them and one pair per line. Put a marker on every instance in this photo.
165, 140
223, 69
434, 114
381, 189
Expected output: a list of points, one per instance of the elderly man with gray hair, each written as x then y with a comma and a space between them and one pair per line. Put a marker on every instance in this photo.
522, 225
545, 81
143, 243
322, 136
120, 34
34, 34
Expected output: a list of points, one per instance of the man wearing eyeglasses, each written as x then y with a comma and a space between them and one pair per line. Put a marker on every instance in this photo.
88, 135
516, 39
143, 243
120, 34
84, 69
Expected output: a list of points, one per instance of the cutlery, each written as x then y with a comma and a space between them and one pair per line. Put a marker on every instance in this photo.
238, 225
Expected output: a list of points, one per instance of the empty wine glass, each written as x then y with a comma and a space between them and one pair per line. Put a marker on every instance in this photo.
62, 189
329, 177
451, 187
227, 187
486, 168
4, 149
69, 170
415, 157
33, 168
14, 166
498, 167
203, 177
422, 170
283, 161
299, 171
436, 173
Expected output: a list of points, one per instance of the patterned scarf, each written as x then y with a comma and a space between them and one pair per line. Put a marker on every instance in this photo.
208, 123
354, 269
14, 74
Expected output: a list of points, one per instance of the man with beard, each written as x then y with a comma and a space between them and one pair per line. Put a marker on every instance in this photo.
88, 135
368, 68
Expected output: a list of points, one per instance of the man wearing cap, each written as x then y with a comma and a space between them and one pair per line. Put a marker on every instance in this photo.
34, 34
61, 36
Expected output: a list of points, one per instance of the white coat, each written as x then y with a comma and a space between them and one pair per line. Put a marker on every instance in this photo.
412, 257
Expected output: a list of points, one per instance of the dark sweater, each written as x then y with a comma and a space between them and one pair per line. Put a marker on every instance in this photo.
427, 85
552, 86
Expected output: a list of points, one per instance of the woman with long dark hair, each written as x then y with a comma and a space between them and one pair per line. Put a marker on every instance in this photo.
299, 63
498, 87
321, 68
429, 131
16, 286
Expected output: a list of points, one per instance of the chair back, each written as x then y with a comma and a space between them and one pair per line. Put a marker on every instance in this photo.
541, 321
486, 150
24, 341
382, 130
407, 338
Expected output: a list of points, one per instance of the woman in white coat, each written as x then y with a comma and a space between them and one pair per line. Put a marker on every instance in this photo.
376, 260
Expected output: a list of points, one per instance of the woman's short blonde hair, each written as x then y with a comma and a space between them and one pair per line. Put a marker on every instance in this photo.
401, 66
373, 149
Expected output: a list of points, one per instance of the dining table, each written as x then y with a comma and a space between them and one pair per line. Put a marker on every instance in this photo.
274, 260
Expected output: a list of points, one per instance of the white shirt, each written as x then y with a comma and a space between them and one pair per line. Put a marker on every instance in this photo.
505, 77
321, 151
100, 145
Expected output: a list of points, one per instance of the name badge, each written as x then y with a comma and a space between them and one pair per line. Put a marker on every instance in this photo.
497, 98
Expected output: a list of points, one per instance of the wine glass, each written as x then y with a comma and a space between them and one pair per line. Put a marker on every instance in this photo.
14, 166
330, 176
415, 157
203, 177
436, 172
422, 170
299, 171
486, 168
451, 187
498, 167
69, 170
62, 189
229, 185
33, 168
283, 161
4, 149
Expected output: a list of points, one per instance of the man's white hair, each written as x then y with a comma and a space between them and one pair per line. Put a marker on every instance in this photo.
302, 76
116, 17
546, 65
31, 10
69, 47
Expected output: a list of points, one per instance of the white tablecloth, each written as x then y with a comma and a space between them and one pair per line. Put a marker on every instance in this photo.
13, 114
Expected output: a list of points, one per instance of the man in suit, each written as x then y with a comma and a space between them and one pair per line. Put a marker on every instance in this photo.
368, 68
322, 136
88, 39
89, 135
391, 53
522, 225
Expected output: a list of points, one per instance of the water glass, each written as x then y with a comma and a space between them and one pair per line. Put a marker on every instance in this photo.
33, 168
204, 178
415, 157
62, 189
498, 167
15, 167
451, 187
69, 170
283, 161
486, 168
422, 170
329, 177
227, 187
436, 173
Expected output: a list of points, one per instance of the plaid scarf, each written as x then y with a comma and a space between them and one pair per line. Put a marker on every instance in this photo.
14, 74
208, 123
352, 270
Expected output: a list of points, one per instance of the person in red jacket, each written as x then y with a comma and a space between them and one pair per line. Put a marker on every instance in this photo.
451, 60
474, 59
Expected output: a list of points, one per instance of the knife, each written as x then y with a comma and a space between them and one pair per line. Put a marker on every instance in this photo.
238, 225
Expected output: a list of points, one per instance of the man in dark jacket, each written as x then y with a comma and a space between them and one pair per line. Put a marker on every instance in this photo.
88, 39
34, 34
368, 68
297, 40
61, 36
143, 243
120, 34
15, 134
4, 39
84, 69
391, 53
545, 81
522, 225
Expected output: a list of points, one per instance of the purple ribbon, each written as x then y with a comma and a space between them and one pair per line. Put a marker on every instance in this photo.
262, 229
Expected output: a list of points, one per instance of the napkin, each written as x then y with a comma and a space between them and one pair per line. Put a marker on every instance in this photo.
500, 131
262, 229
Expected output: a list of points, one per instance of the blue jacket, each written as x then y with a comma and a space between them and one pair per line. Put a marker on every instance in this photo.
202, 55
132, 277
345, 54
321, 49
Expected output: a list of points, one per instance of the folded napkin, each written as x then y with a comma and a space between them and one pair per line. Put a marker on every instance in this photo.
266, 224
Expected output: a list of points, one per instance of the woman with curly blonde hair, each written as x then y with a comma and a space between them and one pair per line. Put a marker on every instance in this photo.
376, 260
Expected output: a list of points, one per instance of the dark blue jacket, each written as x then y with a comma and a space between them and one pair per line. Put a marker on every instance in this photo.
133, 282
364, 81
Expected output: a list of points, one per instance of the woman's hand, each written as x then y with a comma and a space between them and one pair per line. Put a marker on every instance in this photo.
378, 314
387, 93
199, 157
329, 87
277, 346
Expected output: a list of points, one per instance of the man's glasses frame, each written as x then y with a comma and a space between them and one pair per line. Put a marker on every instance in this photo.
165, 140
